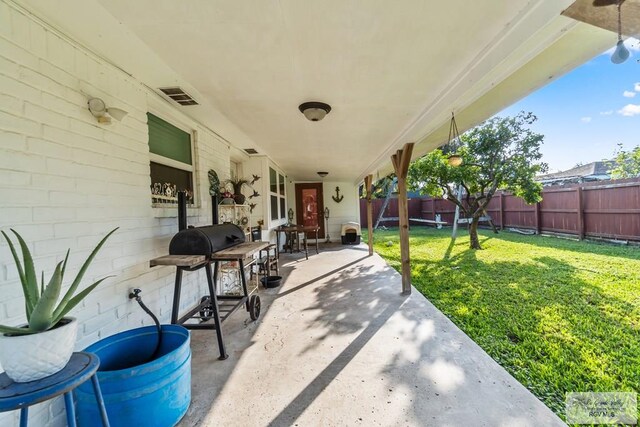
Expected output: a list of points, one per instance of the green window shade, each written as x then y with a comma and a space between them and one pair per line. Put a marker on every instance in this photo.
168, 141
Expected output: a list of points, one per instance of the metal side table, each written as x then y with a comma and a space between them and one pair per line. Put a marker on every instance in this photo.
81, 367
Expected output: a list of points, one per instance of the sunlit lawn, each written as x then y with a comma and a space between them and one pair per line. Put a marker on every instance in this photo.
559, 315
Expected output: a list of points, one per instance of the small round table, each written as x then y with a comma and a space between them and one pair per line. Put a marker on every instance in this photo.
80, 368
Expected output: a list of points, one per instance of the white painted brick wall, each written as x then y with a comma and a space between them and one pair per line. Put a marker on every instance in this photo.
65, 181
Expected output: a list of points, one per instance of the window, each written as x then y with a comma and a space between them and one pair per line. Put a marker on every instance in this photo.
171, 161
234, 169
277, 195
283, 214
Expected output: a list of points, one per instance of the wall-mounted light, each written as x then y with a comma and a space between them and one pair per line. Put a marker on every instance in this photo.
314, 111
98, 108
322, 174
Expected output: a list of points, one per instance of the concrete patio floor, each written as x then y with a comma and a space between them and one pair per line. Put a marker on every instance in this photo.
338, 345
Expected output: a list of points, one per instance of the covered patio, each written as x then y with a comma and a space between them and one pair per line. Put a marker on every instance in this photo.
108, 107
338, 345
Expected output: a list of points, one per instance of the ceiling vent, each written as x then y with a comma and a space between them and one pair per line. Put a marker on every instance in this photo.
178, 95
250, 151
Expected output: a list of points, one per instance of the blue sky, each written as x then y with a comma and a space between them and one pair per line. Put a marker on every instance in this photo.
587, 112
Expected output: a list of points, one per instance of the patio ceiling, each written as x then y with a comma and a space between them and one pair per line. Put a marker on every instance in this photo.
391, 72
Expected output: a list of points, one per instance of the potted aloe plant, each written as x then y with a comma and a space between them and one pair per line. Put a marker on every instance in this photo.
44, 345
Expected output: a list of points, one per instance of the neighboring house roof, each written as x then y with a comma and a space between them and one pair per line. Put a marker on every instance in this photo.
594, 171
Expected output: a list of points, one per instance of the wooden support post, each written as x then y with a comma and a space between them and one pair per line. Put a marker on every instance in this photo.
401, 161
368, 180
537, 217
580, 215
502, 211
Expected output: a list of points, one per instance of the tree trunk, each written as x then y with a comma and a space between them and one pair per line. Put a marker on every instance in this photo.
474, 243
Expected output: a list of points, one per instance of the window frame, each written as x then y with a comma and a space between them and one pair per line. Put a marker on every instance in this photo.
280, 197
166, 161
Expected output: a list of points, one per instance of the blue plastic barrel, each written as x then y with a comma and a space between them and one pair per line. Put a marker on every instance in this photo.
138, 392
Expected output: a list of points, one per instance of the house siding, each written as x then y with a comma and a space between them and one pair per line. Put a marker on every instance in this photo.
66, 180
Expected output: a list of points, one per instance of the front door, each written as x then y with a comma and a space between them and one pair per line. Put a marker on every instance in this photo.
310, 206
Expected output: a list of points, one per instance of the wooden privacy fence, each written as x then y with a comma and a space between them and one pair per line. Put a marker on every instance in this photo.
605, 209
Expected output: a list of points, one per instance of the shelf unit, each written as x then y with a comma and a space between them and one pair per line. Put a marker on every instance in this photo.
229, 280
239, 215
229, 276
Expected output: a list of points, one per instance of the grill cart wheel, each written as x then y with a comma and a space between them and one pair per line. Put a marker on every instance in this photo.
206, 313
254, 307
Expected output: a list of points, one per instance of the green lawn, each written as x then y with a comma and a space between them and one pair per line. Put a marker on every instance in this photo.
559, 315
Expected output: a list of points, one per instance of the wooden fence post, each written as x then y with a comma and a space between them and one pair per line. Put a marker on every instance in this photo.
433, 207
501, 210
537, 212
580, 215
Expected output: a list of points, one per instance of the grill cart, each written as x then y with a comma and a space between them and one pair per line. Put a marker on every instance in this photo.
202, 247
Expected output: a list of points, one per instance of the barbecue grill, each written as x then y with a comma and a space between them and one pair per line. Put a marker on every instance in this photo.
206, 240
194, 248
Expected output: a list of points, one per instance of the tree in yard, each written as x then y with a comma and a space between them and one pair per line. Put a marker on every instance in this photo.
502, 153
626, 164
383, 185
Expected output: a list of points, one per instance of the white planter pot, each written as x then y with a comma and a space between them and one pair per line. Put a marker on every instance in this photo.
32, 357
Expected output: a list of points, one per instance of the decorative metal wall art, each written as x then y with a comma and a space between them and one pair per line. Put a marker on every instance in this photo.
214, 183
167, 193
337, 198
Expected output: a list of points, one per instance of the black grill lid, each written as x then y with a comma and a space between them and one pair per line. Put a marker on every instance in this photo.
206, 240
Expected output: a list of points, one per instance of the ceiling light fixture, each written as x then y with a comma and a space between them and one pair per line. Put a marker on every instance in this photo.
314, 111
621, 53
98, 108
322, 174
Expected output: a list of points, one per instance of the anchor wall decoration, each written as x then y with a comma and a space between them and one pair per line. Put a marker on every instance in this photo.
337, 198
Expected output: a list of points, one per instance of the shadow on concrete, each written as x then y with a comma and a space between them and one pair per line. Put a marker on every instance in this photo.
211, 375
306, 397
321, 277
346, 348
429, 367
